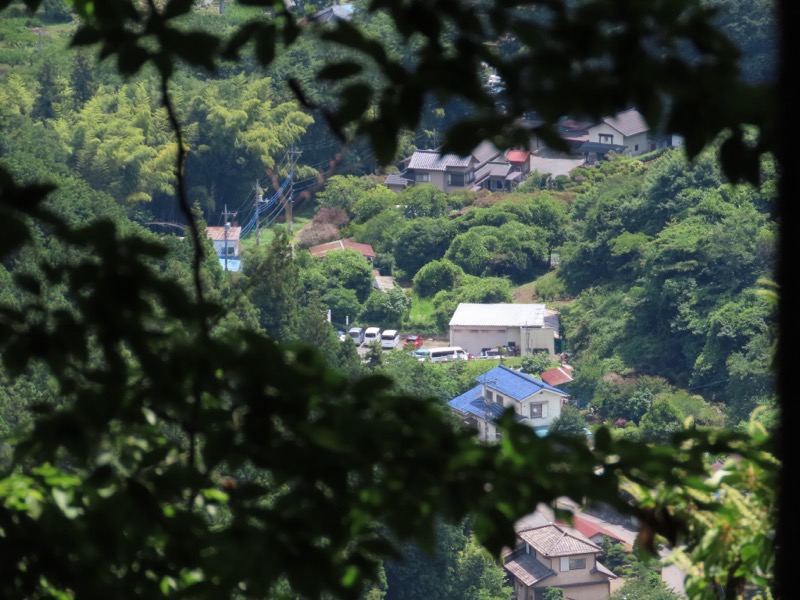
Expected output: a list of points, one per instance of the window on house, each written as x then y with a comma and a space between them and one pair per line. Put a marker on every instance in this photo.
606, 138
636, 147
422, 177
577, 563
571, 563
498, 399
470, 176
455, 179
488, 395
537, 411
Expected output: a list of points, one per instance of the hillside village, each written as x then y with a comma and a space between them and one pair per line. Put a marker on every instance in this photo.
246, 352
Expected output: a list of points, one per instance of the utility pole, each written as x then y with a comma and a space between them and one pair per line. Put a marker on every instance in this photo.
225, 215
290, 197
259, 200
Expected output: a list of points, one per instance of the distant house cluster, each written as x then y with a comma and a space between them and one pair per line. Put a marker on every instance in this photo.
487, 168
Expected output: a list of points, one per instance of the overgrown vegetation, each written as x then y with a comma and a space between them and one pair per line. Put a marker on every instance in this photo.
168, 427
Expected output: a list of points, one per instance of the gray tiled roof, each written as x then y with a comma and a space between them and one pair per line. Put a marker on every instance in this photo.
627, 123
485, 151
431, 160
527, 569
395, 179
494, 168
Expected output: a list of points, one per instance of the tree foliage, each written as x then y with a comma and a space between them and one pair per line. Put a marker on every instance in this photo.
195, 457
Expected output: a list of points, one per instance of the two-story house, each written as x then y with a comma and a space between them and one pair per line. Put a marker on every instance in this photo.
548, 555
535, 403
448, 172
627, 129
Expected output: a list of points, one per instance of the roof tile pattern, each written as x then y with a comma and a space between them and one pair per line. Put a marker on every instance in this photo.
557, 540
218, 233
628, 123
431, 160
527, 569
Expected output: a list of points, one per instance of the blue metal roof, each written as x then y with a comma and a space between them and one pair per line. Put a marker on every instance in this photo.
514, 384
472, 402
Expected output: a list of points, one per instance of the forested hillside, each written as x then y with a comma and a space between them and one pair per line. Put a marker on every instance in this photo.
221, 411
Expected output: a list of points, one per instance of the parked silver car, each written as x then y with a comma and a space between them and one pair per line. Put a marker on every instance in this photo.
357, 333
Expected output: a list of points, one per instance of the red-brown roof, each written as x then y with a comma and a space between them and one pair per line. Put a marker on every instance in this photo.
590, 529
517, 155
218, 233
557, 376
363, 249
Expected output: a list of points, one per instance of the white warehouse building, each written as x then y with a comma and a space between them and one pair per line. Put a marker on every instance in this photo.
520, 326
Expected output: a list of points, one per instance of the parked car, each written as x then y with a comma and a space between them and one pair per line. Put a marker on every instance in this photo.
421, 354
490, 353
357, 333
413, 341
449, 354
372, 334
342, 335
390, 338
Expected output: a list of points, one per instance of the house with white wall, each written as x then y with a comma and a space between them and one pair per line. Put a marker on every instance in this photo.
535, 404
226, 240
627, 129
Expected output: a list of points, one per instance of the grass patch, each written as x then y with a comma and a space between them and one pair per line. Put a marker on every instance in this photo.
420, 316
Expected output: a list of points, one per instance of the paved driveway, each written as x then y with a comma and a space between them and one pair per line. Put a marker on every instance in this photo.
670, 574
547, 161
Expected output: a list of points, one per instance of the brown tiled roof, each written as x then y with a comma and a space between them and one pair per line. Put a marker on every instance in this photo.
527, 569
218, 233
557, 376
557, 540
322, 249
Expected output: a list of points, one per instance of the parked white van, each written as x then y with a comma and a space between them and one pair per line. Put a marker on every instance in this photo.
448, 354
372, 334
390, 338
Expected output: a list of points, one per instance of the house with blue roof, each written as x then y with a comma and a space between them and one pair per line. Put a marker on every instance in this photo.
535, 403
